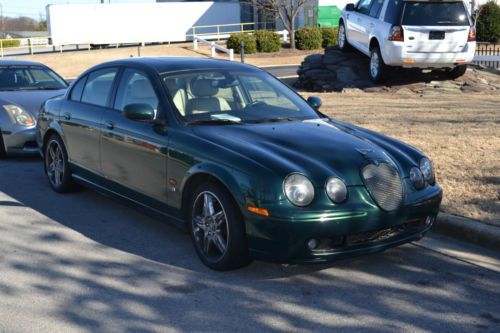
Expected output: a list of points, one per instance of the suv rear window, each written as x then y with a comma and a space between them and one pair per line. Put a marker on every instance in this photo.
435, 13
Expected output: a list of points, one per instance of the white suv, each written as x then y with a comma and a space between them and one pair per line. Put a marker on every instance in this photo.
410, 33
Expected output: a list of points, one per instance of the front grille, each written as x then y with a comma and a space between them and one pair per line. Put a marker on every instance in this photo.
384, 185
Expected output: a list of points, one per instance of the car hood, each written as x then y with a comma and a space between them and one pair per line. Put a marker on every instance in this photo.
31, 100
316, 148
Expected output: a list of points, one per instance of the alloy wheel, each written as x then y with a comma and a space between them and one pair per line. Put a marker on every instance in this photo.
341, 36
210, 226
374, 64
55, 163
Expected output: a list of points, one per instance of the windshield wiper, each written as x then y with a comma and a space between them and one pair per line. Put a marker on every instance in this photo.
273, 120
214, 122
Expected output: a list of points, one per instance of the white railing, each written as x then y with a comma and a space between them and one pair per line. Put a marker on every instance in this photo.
213, 47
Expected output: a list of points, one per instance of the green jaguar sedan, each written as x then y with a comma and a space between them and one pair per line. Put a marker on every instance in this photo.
241, 161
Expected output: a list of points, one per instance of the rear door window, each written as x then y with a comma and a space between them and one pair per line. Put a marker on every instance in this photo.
97, 91
435, 14
376, 7
76, 91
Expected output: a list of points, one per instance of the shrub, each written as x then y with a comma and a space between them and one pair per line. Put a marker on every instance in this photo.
488, 22
6, 43
330, 36
267, 41
234, 42
308, 39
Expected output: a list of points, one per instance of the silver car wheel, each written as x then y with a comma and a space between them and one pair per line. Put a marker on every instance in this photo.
210, 226
374, 64
341, 36
55, 163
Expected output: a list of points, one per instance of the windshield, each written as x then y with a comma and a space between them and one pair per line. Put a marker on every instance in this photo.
218, 96
29, 78
435, 14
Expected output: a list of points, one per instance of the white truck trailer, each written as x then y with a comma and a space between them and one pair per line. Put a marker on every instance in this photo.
104, 24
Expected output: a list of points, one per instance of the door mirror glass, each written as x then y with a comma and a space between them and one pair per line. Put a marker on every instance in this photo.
315, 102
349, 7
141, 112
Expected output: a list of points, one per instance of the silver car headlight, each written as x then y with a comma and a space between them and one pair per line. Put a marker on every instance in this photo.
336, 190
19, 116
427, 170
417, 178
298, 189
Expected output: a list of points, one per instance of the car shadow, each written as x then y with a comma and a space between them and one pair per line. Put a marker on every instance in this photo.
111, 268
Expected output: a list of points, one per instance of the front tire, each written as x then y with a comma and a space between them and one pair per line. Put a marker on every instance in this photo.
457, 72
217, 228
378, 68
344, 45
57, 166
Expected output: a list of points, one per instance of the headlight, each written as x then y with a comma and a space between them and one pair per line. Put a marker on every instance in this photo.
298, 189
336, 189
19, 116
427, 170
417, 178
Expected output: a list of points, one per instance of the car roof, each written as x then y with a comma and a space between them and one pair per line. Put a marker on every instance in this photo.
14, 62
173, 64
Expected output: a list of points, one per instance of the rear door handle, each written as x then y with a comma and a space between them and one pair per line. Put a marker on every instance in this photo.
109, 125
67, 116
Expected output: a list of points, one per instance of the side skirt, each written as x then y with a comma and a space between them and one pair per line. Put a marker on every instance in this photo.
131, 198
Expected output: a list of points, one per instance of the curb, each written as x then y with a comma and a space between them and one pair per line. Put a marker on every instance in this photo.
486, 235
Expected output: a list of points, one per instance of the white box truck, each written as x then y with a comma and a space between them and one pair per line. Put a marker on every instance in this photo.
124, 23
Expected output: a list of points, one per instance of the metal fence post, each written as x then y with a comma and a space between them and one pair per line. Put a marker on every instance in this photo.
218, 32
1, 46
195, 43
30, 46
242, 51
212, 49
231, 54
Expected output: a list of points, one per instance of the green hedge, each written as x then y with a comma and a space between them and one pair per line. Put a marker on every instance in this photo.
267, 41
234, 42
330, 36
308, 39
6, 43
488, 23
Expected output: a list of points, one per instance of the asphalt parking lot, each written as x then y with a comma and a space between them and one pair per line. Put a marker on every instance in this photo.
83, 262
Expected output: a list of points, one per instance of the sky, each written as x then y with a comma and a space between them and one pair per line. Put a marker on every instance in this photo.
35, 8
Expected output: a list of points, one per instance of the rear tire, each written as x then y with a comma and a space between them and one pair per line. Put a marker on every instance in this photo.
457, 72
217, 228
55, 161
378, 69
343, 43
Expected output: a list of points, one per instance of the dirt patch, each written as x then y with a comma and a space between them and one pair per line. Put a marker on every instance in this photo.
459, 132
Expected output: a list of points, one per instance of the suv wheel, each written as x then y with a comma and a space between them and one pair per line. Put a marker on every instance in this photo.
217, 229
342, 39
56, 165
457, 72
378, 69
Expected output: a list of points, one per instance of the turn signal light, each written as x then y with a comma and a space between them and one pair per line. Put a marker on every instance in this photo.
408, 60
472, 34
257, 210
397, 34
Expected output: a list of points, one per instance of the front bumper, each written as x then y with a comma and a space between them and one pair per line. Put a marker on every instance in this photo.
344, 234
395, 54
20, 141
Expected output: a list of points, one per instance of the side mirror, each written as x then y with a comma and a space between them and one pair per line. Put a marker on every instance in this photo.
349, 7
141, 112
315, 102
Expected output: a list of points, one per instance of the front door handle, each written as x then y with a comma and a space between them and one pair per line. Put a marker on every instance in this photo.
67, 116
109, 125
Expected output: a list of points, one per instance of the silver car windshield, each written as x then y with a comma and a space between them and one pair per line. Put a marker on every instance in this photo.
14, 78
232, 97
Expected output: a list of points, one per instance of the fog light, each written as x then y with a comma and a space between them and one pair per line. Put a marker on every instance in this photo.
313, 244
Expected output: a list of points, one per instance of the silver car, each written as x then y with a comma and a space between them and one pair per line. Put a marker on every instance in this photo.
24, 87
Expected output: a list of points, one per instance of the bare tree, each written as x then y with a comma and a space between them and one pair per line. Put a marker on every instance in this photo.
286, 10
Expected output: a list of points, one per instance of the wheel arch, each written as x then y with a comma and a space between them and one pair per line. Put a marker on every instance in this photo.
210, 173
48, 133
373, 42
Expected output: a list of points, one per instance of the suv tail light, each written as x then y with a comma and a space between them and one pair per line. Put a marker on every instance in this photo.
472, 34
397, 34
